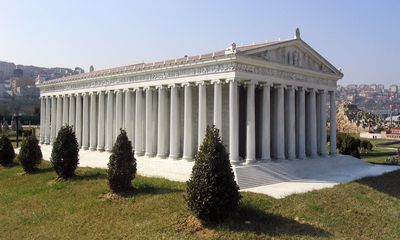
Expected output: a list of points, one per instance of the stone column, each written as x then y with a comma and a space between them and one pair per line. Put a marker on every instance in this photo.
202, 112
300, 124
332, 111
101, 123
312, 124
59, 113
65, 110
163, 126
291, 127
174, 143
233, 122
322, 118
149, 121
118, 113
42, 118
280, 122
93, 121
85, 121
47, 125
218, 106
53, 119
250, 124
110, 121
78, 120
266, 122
139, 123
72, 112
128, 114
188, 124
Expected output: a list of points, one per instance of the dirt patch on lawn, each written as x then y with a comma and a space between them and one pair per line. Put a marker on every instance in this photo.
194, 225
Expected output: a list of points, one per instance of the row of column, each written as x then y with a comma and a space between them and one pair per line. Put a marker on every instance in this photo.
293, 126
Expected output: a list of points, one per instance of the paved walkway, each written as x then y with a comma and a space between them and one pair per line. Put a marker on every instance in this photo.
274, 178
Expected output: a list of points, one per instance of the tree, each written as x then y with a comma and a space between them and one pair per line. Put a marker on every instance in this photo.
7, 153
348, 145
122, 165
30, 154
64, 155
212, 193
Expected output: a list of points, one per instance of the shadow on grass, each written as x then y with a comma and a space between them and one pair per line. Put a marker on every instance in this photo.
89, 176
387, 183
378, 154
252, 220
148, 188
46, 169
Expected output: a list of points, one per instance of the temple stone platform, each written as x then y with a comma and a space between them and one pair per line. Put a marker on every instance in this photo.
274, 178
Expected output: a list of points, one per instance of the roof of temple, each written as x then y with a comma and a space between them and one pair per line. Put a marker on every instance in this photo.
170, 62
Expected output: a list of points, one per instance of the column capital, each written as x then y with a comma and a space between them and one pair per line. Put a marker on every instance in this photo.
291, 87
203, 82
135, 89
127, 90
279, 86
218, 81
249, 82
174, 85
228, 80
322, 91
187, 84
265, 84
148, 88
93, 93
162, 86
311, 90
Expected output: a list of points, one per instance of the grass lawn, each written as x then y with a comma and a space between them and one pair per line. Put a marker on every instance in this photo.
34, 207
380, 153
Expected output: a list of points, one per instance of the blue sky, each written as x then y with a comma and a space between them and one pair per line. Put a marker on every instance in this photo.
361, 37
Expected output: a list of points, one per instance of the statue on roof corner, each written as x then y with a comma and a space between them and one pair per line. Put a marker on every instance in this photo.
297, 36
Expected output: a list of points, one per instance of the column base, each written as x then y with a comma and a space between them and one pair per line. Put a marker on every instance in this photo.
234, 162
173, 156
150, 154
187, 158
265, 159
85, 147
92, 148
162, 155
250, 161
139, 153
100, 149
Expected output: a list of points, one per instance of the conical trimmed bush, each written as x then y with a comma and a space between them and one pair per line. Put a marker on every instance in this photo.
64, 155
30, 154
7, 153
212, 193
122, 165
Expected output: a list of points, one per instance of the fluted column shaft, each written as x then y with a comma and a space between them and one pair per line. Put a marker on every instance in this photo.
65, 109
85, 121
188, 125
233, 122
118, 113
149, 122
312, 124
280, 122
332, 111
101, 123
110, 121
291, 120
47, 124
266, 123
93, 121
53, 120
59, 113
218, 106
322, 118
139, 150
72, 112
163, 126
300, 124
42, 118
78, 119
174, 147
202, 113
128, 114
250, 124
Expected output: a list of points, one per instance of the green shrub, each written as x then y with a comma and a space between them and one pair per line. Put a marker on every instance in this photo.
30, 154
366, 145
64, 155
212, 193
349, 145
122, 165
7, 153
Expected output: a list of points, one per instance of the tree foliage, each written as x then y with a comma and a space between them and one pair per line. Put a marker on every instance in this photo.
122, 165
212, 193
30, 154
64, 155
7, 153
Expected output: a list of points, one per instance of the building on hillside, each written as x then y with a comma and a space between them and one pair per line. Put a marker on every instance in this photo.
268, 100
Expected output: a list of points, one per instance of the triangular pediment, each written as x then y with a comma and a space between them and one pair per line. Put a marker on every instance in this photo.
295, 53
